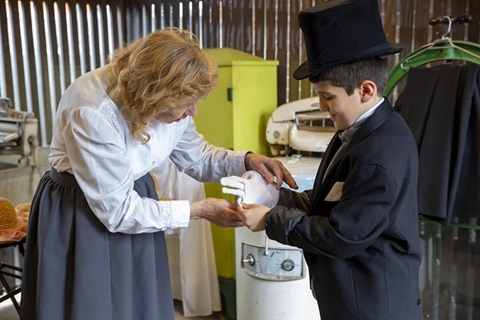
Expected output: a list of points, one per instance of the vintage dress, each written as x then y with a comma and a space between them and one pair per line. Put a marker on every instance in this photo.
95, 246
359, 227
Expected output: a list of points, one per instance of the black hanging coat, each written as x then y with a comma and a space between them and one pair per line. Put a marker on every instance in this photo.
442, 107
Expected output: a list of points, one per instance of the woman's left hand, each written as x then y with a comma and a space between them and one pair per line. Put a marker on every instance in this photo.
271, 169
219, 211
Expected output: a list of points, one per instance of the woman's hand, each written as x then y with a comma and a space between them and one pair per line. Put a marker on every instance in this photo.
271, 169
253, 216
219, 211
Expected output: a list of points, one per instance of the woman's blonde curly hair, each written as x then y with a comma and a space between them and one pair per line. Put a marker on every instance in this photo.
164, 70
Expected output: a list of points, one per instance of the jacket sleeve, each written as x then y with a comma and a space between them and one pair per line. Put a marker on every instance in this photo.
294, 199
340, 228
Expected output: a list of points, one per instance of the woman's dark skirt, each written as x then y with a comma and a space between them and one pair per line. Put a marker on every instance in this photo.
74, 268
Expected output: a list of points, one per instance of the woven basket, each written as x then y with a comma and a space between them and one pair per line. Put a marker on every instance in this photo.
8, 215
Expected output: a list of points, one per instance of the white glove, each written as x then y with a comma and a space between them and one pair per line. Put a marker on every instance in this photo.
251, 188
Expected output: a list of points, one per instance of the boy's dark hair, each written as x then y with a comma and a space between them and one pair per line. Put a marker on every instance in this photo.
348, 76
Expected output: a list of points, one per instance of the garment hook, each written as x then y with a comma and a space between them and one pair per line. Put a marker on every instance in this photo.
449, 27
443, 20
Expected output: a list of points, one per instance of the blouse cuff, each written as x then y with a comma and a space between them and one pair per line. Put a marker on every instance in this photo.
238, 164
181, 214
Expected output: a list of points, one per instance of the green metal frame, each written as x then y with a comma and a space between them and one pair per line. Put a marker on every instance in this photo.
451, 224
442, 49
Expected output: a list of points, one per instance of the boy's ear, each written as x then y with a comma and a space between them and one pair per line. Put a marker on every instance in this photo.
368, 90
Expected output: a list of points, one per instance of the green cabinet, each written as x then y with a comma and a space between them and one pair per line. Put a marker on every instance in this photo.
235, 116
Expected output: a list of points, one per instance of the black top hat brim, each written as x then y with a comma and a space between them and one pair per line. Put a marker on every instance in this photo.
303, 71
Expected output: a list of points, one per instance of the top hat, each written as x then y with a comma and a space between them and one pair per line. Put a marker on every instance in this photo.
339, 32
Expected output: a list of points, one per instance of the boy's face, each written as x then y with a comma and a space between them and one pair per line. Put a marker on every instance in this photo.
343, 109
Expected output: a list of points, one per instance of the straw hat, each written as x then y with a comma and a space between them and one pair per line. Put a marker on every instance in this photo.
13, 220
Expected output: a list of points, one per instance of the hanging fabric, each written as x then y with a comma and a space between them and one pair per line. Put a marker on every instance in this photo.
442, 107
191, 254
441, 104
444, 49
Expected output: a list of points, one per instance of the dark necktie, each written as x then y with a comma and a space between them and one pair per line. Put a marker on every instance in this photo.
345, 136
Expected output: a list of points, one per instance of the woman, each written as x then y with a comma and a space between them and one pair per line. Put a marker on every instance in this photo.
95, 247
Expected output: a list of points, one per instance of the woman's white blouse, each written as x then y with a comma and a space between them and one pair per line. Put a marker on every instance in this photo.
91, 140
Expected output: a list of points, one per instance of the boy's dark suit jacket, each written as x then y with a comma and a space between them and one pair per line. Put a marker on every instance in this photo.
359, 227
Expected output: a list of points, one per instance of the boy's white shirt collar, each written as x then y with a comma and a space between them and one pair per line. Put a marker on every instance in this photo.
369, 112
354, 127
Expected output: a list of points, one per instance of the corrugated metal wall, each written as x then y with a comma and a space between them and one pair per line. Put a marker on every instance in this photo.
45, 45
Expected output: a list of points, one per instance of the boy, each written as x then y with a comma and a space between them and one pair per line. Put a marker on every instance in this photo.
358, 227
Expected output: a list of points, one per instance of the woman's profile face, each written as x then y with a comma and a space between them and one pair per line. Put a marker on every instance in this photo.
177, 114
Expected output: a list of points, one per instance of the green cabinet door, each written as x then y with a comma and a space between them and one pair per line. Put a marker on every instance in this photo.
235, 116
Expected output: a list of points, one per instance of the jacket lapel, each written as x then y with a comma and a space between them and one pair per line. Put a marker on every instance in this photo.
332, 148
383, 112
